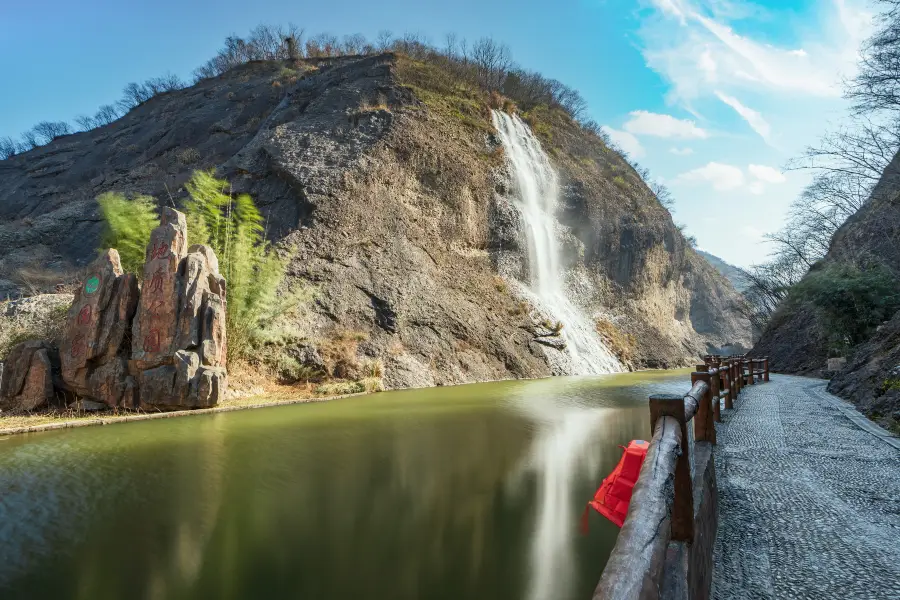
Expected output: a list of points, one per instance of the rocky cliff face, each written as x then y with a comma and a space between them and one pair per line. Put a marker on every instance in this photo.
795, 339
383, 182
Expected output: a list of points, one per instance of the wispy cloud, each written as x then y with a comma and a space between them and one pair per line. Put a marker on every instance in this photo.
705, 53
767, 174
681, 151
722, 177
753, 118
625, 141
665, 126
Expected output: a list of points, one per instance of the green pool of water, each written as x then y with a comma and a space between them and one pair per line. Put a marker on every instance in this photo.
466, 492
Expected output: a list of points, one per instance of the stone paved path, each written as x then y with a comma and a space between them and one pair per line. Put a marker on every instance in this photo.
809, 502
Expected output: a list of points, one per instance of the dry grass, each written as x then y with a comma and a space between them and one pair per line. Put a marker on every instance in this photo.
520, 308
37, 318
621, 344
42, 280
340, 353
187, 156
371, 105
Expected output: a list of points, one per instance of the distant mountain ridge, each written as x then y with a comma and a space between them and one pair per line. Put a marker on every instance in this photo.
734, 274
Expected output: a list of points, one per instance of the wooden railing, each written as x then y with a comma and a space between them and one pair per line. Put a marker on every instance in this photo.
664, 549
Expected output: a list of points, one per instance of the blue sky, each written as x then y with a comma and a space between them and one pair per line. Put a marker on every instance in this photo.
713, 96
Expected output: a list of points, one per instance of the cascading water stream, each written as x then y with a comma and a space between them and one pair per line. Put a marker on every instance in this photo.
537, 188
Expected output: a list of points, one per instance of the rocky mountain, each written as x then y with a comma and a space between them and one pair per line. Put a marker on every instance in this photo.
382, 180
796, 339
731, 272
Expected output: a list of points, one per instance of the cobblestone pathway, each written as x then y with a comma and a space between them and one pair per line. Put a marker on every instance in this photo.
809, 503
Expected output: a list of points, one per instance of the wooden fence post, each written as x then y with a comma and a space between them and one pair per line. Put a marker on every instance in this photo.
749, 363
728, 384
716, 397
704, 428
765, 368
663, 405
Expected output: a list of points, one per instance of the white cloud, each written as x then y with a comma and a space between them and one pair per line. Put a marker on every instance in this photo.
757, 187
665, 126
707, 51
671, 7
767, 174
681, 151
722, 177
707, 64
755, 119
626, 141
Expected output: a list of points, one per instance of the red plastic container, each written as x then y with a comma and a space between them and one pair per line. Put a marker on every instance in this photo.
614, 494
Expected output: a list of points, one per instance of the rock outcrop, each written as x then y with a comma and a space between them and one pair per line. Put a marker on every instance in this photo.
178, 339
385, 184
28, 376
796, 338
871, 376
162, 347
95, 349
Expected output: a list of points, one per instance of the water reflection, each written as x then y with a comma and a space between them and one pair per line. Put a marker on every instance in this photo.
469, 492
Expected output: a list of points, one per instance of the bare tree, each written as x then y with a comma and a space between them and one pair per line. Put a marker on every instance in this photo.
268, 41
876, 87
86, 123
384, 40
322, 45
8, 147
47, 131
493, 60
29, 141
353, 44
106, 114
662, 193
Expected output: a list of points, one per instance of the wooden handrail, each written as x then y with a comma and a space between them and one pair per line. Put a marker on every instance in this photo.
635, 566
661, 511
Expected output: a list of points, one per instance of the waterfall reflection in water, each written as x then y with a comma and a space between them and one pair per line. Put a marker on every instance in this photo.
466, 492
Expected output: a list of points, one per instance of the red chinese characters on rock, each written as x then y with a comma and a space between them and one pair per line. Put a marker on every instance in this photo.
151, 341
159, 250
84, 315
154, 307
156, 282
77, 346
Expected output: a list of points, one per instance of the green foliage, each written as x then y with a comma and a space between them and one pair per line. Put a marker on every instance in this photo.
233, 227
852, 301
128, 224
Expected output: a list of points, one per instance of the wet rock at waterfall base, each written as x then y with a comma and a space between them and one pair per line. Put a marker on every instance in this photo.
27, 381
94, 349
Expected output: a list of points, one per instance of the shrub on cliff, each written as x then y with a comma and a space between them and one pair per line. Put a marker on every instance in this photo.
232, 227
852, 301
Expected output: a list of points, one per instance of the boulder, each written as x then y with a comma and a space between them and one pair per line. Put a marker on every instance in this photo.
27, 381
154, 333
95, 347
183, 385
201, 314
178, 353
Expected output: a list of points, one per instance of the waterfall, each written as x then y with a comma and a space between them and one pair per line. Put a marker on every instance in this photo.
537, 192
